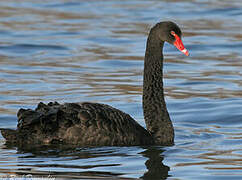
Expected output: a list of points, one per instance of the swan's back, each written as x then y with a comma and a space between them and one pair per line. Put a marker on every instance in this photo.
78, 124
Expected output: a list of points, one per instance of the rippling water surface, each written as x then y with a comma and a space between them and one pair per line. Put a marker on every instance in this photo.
72, 51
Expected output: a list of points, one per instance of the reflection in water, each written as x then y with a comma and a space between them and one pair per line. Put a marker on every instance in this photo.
58, 158
156, 169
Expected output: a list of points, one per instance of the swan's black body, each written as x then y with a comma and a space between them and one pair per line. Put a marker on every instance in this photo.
84, 124
93, 124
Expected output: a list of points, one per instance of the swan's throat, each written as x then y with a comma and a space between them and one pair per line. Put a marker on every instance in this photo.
155, 112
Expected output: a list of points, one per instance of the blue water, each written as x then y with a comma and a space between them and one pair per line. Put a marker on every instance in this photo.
73, 51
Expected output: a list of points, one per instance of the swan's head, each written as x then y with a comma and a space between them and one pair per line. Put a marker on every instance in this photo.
172, 34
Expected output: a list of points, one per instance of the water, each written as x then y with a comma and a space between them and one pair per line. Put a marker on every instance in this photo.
71, 51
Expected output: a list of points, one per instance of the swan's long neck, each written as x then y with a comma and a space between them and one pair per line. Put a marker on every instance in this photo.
156, 116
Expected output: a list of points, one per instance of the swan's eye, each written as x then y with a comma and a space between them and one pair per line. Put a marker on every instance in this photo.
173, 33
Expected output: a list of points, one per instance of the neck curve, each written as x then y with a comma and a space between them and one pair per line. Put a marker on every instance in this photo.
156, 116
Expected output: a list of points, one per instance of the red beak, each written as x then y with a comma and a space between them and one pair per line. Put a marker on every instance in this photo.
179, 45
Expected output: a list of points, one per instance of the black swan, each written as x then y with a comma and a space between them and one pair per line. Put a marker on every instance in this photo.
94, 124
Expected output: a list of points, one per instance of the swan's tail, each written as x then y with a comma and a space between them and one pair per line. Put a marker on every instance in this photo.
9, 134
